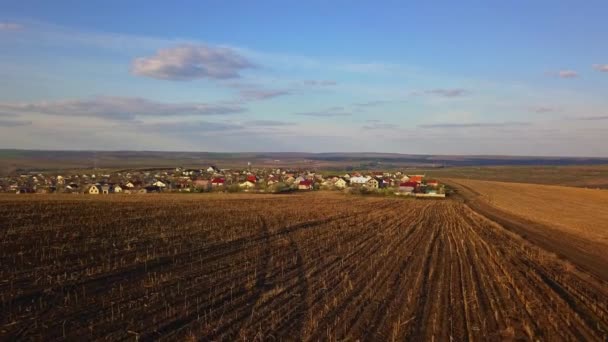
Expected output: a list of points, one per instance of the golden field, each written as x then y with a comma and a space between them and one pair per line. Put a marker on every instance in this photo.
582, 211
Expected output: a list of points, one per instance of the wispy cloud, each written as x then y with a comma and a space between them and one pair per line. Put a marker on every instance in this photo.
268, 123
376, 124
189, 62
601, 67
320, 83
543, 109
118, 108
372, 103
327, 113
593, 118
6, 26
180, 127
369, 68
443, 92
567, 74
476, 125
14, 123
261, 94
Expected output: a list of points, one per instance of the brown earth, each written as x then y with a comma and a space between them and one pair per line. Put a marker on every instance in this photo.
312, 266
570, 222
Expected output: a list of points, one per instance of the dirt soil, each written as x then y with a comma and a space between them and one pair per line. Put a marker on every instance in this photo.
306, 267
573, 223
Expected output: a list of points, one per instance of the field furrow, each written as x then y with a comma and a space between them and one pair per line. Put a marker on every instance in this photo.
328, 267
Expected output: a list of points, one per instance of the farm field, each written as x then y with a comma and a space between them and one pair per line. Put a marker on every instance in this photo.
315, 266
576, 220
582, 176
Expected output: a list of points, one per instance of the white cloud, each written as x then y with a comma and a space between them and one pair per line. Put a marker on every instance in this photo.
453, 92
261, 94
594, 118
543, 109
320, 83
601, 67
268, 123
14, 123
6, 26
328, 112
475, 125
118, 108
567, 74
190, 62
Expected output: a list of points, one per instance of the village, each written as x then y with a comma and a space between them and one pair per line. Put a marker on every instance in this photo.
213, 179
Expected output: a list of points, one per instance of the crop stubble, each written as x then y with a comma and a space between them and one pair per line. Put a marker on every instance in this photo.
309, 267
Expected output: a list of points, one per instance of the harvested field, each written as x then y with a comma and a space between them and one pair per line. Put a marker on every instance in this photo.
312, 267
574, 221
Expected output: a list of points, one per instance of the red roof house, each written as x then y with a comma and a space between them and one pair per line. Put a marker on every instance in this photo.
218, 181
417, 179
305, 184
432, 182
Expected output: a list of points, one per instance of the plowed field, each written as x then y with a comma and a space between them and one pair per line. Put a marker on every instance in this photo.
568, 221
304, 267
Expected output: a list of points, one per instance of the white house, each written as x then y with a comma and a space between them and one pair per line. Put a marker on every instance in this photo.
117, 189
93, 190
159, 184
359, 180
340, 183
247, 185
372, 183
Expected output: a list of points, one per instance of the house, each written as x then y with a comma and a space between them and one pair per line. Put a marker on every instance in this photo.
105, 189
252, 178
306, 184
408, 186
359, 180
432, 182
93, 190
72, 187
378, 174
204, 184
340, 183
212, 169
129, 185
247, 185
159, 184
25, 190
117, 189
215, 182
386, 182
416, 178
372, 183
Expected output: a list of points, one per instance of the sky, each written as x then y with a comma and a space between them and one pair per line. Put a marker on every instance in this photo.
434, 77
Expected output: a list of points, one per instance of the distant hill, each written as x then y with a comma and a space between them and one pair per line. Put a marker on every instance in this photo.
29, 160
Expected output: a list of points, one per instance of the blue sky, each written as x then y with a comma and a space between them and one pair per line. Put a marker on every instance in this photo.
469, 77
